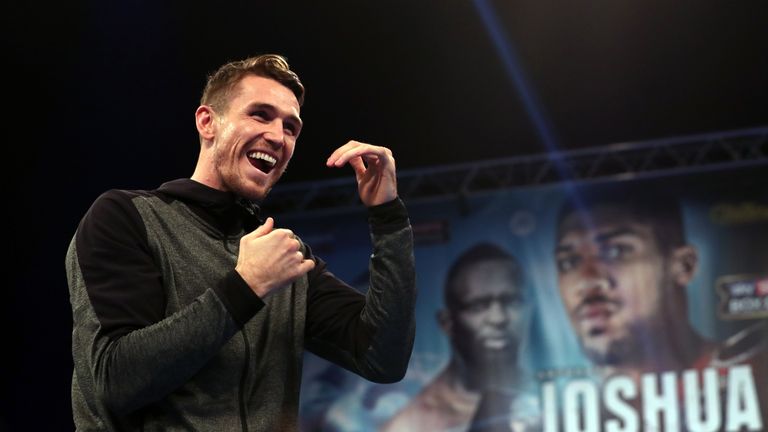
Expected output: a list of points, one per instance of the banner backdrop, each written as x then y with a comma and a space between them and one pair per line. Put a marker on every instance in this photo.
624, 319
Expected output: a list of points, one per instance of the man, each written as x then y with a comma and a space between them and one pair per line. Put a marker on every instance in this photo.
623, 267
191, 313
484, 319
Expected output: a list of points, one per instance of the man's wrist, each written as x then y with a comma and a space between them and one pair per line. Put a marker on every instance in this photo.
241, 302
388, 217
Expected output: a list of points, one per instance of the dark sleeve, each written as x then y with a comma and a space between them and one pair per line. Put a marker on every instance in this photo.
372, 334
122, 281
124, 347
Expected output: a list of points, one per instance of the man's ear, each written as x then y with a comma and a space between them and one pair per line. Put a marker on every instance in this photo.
205, 120
445, 321
684, 262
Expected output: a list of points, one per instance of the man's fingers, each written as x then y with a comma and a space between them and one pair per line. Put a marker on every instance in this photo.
333, 159
306, 266
353, 149
368, 152
264, 228
358, 165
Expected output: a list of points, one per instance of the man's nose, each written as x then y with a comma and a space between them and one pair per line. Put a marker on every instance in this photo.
592, 265
595, 276
275, 134
497, 314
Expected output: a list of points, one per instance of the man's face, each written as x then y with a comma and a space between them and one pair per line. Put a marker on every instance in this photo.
612, 278
486, 324
255, 137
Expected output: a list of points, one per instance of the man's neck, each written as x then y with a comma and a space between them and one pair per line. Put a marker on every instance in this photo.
475, 378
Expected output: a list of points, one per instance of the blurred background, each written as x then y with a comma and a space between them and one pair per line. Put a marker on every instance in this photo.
101, 95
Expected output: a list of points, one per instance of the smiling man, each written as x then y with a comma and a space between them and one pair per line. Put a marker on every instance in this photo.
484, 318
192, 313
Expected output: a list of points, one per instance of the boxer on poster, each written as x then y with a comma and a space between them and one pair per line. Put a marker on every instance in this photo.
484, 317
623, 266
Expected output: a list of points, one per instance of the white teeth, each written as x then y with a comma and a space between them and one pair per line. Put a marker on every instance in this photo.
495, 343
263, 156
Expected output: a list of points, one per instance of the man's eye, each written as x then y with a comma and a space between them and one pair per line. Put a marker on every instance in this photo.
259, 114
616, 252
291, 129
476, 306
567, 263
511, 300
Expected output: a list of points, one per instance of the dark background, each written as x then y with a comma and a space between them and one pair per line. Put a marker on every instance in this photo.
101, 95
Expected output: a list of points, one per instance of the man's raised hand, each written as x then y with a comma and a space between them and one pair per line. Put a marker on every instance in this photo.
374, 170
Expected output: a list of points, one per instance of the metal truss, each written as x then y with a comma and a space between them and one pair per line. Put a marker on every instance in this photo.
730, 149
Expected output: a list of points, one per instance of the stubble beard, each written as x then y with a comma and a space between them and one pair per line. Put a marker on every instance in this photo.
628, 349
490, 368
234, 181
615, 353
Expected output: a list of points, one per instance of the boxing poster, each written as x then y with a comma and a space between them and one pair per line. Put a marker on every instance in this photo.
626, 305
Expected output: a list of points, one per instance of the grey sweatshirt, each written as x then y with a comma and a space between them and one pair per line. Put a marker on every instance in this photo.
167, 336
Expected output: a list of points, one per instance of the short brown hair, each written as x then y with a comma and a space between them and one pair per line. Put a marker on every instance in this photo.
638, 202
218, 89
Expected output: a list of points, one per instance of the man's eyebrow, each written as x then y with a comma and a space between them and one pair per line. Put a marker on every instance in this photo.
603, 237
484, 297
270, 107
600, 238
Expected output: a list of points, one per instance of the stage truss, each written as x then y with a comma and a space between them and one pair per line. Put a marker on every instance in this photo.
711, 151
